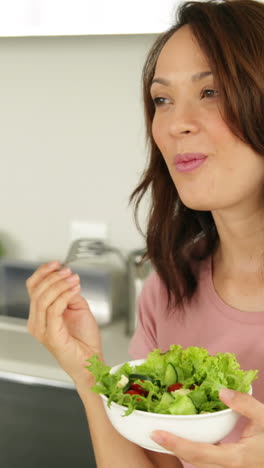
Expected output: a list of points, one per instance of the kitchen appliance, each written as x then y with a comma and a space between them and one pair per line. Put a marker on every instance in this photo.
138, 271
103, 274
14, 300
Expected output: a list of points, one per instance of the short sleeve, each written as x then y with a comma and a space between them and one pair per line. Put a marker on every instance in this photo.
144, 339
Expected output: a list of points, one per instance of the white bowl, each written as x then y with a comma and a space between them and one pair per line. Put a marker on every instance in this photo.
138, 426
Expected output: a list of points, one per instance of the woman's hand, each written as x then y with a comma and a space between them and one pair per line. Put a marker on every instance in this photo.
247, 453
61, 320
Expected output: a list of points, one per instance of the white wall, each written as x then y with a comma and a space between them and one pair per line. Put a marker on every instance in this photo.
72, 139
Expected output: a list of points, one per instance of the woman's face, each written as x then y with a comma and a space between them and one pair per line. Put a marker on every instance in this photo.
187, 120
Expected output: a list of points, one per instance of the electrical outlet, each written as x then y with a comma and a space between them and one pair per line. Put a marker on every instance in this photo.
87, 230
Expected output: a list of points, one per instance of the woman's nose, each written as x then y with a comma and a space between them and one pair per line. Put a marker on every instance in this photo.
183, 120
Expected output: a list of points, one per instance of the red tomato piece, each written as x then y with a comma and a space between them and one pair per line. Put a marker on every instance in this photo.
133, 392
139, 389
174, 387
136, 387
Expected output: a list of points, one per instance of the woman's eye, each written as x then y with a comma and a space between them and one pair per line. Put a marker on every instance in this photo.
160, 101
209, 93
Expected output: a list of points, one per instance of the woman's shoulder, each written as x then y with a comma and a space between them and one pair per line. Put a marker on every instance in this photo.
154, 289
152, 283
200, 265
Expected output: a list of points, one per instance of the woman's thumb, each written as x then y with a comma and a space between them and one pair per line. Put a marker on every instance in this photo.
244, 404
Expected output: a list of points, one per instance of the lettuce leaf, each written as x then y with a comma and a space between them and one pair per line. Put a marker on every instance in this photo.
195, 368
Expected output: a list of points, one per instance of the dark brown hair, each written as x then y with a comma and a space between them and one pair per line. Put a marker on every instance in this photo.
231, 34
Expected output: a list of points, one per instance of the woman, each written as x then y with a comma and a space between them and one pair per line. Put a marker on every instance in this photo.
204, 95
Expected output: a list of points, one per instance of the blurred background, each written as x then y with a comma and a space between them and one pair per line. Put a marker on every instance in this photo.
73, 136
72, 139
73, 149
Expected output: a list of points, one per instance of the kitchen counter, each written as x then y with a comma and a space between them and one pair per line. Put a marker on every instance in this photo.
22, 354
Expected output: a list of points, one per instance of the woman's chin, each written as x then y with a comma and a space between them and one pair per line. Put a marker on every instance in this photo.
198, 205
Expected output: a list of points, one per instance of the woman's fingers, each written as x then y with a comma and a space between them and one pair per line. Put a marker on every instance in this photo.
46, 281
201, 454
61, 320
244, 404
54, 319
44, 294
38, 287
41, 272
53, 295
197, 453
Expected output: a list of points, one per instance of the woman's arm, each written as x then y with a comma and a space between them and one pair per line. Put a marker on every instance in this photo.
110, 448
61, 320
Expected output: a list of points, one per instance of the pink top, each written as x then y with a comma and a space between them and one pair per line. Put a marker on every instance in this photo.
209, 322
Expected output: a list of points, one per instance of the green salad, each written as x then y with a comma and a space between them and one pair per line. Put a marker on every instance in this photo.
179, 381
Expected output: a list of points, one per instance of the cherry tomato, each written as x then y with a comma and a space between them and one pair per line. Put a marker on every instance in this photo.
174, 387
133, 392
139, 389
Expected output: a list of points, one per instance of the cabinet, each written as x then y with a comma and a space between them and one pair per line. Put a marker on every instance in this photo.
43, 426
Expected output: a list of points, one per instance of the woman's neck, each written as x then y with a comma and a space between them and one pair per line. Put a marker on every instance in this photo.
241, 246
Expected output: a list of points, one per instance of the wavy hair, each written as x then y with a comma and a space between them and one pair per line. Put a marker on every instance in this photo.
231, 35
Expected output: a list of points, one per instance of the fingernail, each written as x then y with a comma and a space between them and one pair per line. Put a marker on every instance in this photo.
158, 438
227, 394
73, 279
53, 264
64, 272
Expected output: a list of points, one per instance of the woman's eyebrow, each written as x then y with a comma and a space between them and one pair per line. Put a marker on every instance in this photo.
196, 77
199, 76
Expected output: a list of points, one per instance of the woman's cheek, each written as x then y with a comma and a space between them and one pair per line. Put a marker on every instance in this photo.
157, 133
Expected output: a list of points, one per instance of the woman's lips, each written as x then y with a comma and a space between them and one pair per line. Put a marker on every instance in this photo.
189, 161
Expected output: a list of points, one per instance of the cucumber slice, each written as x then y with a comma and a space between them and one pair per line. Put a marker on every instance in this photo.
167, 398
182, 405
141, 377
180, 374
127, 387
171, 376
